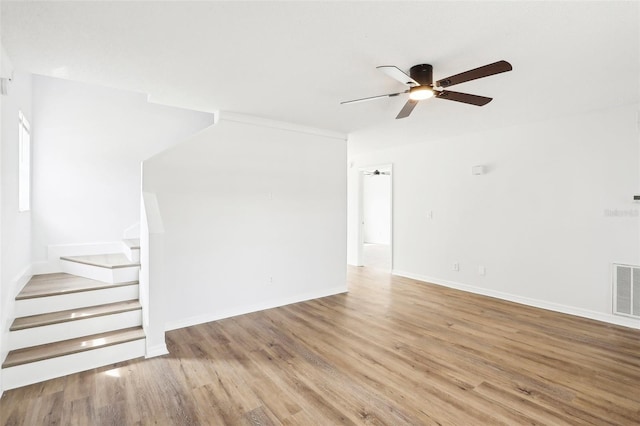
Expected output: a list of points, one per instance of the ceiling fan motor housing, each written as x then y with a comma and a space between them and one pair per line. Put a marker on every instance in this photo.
422, 73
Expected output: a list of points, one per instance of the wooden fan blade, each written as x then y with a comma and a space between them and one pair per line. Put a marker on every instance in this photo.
463, 97
397, 74
485, 71
407, 108
391, 95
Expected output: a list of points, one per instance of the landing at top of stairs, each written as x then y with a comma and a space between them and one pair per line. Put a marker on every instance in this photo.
109, 261
61, 283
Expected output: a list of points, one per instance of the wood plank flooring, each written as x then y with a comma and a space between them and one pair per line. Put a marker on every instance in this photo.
390, 352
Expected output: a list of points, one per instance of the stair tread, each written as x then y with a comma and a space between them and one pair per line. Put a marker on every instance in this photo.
109, 260
31, 321
62, 283
72, 346
132, 243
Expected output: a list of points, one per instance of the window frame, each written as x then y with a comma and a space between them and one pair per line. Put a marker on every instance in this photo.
24, 163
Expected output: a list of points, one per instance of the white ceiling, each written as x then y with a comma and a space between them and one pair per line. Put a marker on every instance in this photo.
295, 61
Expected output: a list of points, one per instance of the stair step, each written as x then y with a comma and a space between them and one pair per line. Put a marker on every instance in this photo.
50, 368
73, 346
132, 249
57, 332
132, 243
61, 283
109, 261
74, 315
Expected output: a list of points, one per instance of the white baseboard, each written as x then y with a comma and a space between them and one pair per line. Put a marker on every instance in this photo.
22, 279
228, 313
536, 303
8, 312
156, 350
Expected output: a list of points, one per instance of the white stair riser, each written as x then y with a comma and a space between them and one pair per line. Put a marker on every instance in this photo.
41, 305
68, 330
34, 372
106, 275
133, 254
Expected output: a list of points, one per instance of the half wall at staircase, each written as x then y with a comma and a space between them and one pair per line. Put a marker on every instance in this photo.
254, 216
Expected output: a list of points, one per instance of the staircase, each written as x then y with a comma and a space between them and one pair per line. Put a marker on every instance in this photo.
85, 317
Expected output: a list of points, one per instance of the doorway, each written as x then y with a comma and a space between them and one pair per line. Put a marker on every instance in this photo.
376, 234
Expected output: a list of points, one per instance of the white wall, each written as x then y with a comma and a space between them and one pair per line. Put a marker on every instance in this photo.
254, 217
376, 204
537, 220
15, 227
88, 143
152, 275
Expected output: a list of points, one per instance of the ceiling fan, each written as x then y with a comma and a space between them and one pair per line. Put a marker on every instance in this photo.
421, 85
377, 173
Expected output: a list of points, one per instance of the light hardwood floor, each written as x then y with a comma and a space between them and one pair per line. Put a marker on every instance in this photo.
391, 352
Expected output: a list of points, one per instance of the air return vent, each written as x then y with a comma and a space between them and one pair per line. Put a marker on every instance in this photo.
626, 290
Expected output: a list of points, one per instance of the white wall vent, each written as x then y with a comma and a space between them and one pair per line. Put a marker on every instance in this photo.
626, 290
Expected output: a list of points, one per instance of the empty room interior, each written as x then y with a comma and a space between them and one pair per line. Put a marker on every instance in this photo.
318, 213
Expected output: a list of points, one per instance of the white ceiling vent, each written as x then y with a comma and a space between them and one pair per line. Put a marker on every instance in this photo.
626, 290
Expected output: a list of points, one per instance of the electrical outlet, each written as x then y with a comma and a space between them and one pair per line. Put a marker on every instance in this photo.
456, 266
430, 214
482, 270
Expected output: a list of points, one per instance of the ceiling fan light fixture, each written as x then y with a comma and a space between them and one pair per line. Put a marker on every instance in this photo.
422, 86
420, 93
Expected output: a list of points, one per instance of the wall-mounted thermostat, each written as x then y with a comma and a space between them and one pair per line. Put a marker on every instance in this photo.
477, 170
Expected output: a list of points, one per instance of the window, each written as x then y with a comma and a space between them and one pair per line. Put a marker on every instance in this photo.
24, 163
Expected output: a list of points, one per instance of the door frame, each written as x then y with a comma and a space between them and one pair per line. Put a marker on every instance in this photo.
360, 243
